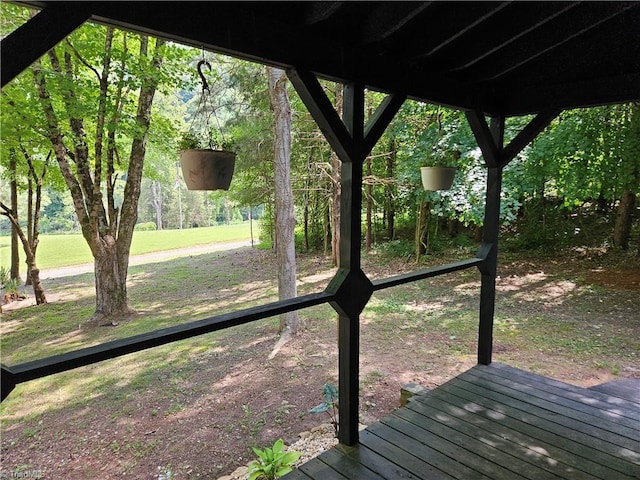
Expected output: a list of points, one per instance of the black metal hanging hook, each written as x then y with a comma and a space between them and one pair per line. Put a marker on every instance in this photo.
205, 85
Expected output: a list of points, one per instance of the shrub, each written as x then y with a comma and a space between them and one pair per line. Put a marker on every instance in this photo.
145, 227
272, 462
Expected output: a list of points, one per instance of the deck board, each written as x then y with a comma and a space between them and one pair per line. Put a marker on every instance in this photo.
496, 422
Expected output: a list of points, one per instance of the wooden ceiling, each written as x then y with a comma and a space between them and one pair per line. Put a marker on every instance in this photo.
498, 58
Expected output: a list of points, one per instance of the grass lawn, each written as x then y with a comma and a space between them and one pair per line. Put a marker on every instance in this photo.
71, 249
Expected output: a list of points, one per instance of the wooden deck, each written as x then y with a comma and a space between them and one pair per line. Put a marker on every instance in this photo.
495, 422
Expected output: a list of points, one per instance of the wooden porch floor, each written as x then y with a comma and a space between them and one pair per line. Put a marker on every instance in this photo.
494, 422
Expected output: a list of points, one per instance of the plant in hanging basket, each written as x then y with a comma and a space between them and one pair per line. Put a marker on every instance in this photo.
440, 170
205, 168
437, 178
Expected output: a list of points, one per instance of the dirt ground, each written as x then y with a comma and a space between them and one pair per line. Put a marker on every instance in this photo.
198, 420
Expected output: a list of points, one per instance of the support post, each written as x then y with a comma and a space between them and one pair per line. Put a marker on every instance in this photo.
490, 139
352, 140
489, 267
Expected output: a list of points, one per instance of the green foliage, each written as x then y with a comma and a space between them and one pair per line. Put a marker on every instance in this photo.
4, 275
330, 404
400, 248
272, 462
145, 227
12, 287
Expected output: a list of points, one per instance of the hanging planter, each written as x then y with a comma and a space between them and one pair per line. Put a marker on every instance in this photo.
437, 178
206, 169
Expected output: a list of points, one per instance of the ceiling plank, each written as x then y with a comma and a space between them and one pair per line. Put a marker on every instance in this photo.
388, 19
542, 41
519, 26
462, 30
320, 11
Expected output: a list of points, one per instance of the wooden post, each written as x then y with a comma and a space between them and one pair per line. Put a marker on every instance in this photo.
352, 140
490, 138
490, 236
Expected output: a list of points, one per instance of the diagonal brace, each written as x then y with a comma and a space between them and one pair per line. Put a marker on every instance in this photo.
39, 35
348, 146
495, 154
322, 111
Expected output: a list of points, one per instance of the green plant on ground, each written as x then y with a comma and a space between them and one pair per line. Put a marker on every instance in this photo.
272, 462
4, 276
330, 404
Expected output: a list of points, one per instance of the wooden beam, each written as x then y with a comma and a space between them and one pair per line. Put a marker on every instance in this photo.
86, 356
404, 278
322, 111
491, 152
488, 268
39, 35
381, 119
527, 134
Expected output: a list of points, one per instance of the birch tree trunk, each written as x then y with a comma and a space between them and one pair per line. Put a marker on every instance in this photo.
156, 199
15, 254
284, 207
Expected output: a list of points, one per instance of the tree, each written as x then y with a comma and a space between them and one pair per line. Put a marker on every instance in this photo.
630, 176
15, 255
284, 205
67, 85
30, 239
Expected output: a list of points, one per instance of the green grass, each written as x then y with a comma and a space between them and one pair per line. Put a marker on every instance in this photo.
71, 249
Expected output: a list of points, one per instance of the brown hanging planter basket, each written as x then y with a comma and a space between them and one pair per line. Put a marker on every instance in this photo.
437, 178
205, 169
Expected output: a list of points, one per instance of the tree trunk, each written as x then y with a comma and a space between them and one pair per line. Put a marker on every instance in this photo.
15, 240
32, 269
28, 281
422, 225
285, 218
336, 192
107, 232
111, 285
369, 207
156, 199
624, 217
390, 211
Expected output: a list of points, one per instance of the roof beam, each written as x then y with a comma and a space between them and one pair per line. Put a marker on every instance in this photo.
39, 35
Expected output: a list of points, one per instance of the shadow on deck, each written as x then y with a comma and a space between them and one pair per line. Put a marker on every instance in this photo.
495, 422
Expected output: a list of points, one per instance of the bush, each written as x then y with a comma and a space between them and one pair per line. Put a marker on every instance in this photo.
145, 227
400, 248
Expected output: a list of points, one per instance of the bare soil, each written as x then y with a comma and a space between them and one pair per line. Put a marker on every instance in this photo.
199, 419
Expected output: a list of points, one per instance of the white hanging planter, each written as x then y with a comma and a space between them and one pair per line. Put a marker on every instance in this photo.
205, 169
437, 178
